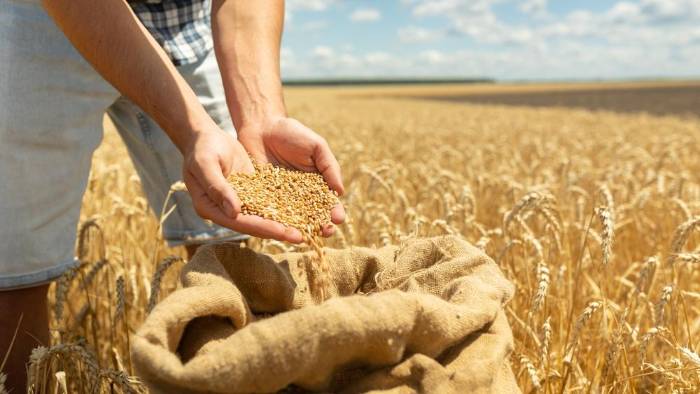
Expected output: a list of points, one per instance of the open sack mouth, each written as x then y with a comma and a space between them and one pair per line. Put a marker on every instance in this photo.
423, 317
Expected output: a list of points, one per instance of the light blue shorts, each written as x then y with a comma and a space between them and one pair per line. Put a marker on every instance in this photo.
52, 105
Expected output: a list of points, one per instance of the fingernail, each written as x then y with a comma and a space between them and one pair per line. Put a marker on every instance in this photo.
228, 209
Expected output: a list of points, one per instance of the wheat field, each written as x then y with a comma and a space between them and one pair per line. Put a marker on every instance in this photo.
594, 216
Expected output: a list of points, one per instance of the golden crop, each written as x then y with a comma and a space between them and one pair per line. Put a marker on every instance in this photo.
593, 215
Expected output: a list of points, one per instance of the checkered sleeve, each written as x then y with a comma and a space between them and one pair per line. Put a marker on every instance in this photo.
181, 27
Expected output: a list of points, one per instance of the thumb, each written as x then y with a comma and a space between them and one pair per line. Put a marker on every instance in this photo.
210, 175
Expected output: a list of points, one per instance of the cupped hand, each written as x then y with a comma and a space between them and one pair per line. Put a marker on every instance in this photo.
287, 142
210, 157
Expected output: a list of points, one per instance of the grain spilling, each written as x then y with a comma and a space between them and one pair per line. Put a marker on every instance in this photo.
297, 199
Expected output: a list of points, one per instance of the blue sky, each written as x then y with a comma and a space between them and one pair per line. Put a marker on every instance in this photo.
503, 39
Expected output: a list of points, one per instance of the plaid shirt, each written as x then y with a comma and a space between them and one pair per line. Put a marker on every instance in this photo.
181, 27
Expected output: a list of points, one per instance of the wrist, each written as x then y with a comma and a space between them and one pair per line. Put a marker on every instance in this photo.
192, 130
254, 102
259, 122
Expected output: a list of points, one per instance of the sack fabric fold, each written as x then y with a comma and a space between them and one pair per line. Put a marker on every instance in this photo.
423, 317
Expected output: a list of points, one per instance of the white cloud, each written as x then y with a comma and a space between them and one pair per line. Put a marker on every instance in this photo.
473, 18
365, 15
287, 58
536, 8
314, 26
309, 5
670, 10
566, 60
433, 57
412, 34
655, 11
631, 38
444, 7
292, 6
378, 58
323, 52
625, 12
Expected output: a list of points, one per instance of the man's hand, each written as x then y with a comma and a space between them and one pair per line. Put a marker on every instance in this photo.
247, 37
287, 142
209, 158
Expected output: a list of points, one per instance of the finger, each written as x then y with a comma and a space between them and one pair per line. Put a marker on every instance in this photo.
337, 217
247, 224
265, 228
328, 166
209, 175
203, 204
242, 162
252, 225
328, 230
338, 214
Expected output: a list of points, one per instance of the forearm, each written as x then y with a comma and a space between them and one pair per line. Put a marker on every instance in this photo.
247, 38
109, 36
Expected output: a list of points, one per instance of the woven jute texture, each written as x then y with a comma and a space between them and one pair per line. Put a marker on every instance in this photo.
423, 317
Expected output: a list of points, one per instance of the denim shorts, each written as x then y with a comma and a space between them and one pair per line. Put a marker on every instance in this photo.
52, 105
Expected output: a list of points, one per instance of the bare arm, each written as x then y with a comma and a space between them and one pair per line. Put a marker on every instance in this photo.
110, 37
247, 42
247, 37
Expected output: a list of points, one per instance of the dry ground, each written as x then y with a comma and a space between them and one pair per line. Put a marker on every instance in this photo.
593, 215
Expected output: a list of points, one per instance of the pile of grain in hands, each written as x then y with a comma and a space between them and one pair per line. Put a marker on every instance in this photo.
297, 199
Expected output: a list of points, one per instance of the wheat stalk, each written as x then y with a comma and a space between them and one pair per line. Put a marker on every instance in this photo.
161, 269
661, 304
531, 371
121, 299
542, 286
690, 355
583, 318
605, 215
681, 236
529, 201
3, 380
545, 341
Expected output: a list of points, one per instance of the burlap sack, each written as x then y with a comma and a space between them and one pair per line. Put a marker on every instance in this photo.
424, 317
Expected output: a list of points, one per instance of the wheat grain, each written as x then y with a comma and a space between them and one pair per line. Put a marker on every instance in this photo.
688, 258
690, 355
583, 318
3, 379
605, 215
681, 236
542, 286
607, 197
660, 306
121, 299
529, 201
531, 371
298, 199
62, 287
614, 347
545, 341
294, 198
646, 275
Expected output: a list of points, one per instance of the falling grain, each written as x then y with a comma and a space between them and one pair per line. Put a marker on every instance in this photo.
297, 199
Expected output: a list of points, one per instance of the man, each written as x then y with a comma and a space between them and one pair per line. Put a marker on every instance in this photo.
159, 81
